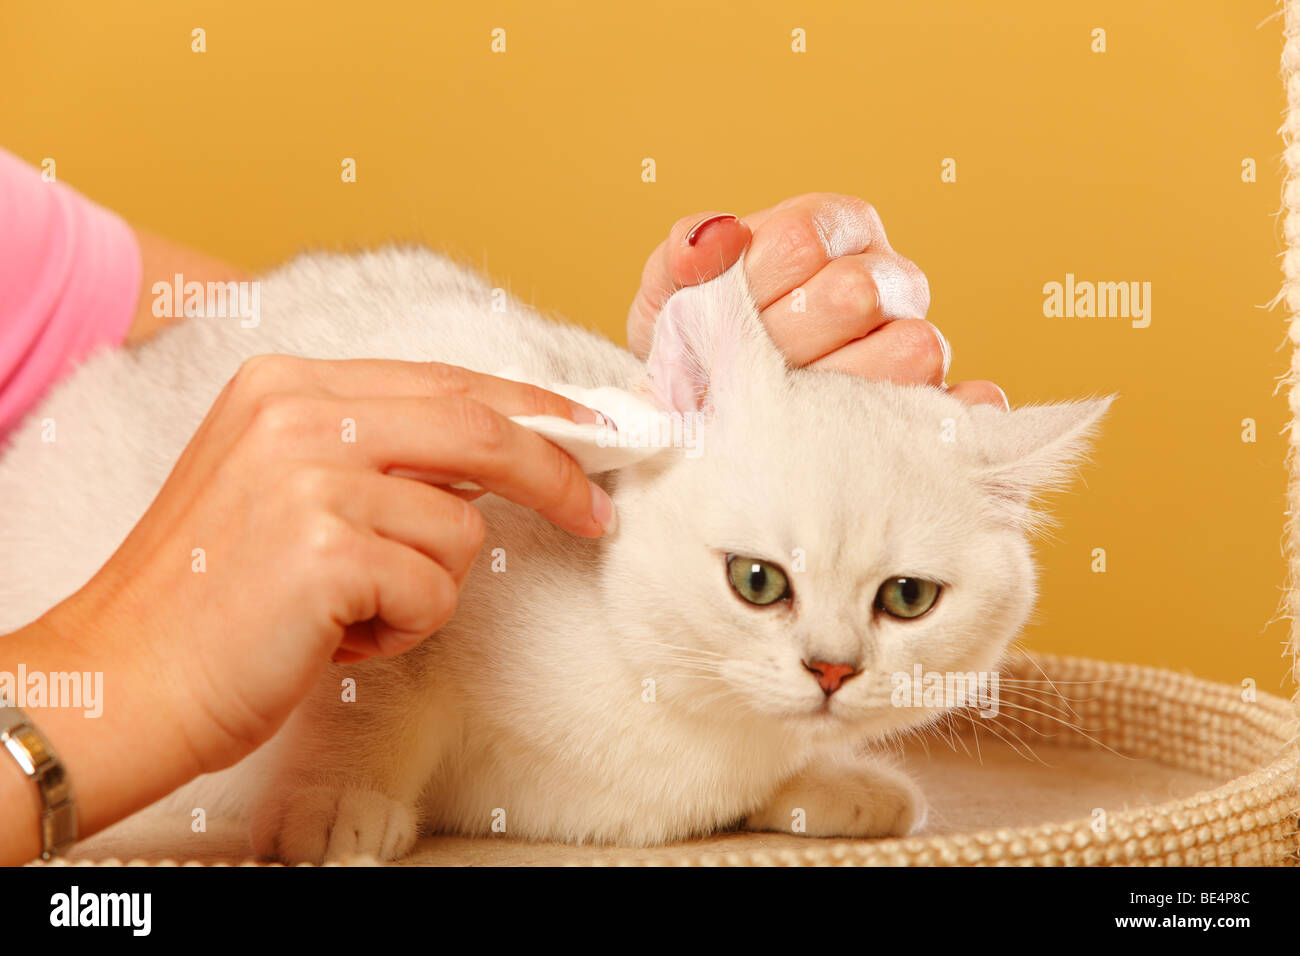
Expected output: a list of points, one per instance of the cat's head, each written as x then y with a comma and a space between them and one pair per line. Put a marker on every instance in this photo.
818, 536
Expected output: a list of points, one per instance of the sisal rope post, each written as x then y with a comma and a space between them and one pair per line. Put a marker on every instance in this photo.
1291, 295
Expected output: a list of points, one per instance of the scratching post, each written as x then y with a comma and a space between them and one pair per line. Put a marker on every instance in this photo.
1290, 294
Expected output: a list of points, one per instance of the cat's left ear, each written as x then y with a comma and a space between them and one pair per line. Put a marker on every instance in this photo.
706, 337
1033, 450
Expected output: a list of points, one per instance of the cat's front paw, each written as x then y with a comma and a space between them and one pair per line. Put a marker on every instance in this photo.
878, 803
319, 824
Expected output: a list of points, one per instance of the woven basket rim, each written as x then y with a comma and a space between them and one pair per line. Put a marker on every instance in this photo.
1252, 818
1183, 831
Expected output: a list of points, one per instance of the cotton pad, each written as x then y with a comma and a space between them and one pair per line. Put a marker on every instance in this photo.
596, 448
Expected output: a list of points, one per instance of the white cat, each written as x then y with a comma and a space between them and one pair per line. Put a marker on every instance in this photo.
725, 657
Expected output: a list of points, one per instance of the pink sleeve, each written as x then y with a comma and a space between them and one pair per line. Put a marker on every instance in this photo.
69, 283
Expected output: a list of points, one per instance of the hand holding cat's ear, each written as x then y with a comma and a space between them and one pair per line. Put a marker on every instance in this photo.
828, 287
697, 249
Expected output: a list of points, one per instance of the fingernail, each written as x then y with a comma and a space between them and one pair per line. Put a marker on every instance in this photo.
602, 509
1005, 404
693, 236
877, 307
945, 348
589, 416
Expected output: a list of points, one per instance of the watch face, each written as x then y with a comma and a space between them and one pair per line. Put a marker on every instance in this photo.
31, 741
14, 742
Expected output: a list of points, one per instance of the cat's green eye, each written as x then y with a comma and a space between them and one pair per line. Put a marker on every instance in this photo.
907, 598
757, 581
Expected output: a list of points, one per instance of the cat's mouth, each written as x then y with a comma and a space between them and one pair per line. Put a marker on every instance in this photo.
831, 711
823, 712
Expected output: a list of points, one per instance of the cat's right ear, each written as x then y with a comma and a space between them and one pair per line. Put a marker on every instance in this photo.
705, 337
1033, 450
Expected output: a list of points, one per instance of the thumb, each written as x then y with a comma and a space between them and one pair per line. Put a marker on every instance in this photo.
697, 249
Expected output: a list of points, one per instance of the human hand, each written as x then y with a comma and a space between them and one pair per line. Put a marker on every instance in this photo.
864, 304
313, 546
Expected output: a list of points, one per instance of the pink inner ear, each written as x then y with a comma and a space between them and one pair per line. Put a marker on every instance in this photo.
678, 379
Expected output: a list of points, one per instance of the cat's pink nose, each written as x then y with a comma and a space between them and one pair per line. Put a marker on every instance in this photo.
830, 676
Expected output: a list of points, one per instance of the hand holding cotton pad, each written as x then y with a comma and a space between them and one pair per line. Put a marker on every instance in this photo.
595, 447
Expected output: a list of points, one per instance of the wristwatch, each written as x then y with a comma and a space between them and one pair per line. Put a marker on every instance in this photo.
37, 760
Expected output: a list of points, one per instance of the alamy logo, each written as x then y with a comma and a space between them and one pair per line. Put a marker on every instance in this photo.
1073, 299
217, 300
34, 689
664, 430
947, 689
74, 908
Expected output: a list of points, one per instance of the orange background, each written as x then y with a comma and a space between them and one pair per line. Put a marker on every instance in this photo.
1115, 166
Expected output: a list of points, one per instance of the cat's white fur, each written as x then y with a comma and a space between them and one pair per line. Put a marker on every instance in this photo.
612, 690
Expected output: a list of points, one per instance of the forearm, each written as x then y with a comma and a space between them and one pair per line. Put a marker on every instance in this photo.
118, 762
161, 261
126, 758
75, 277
